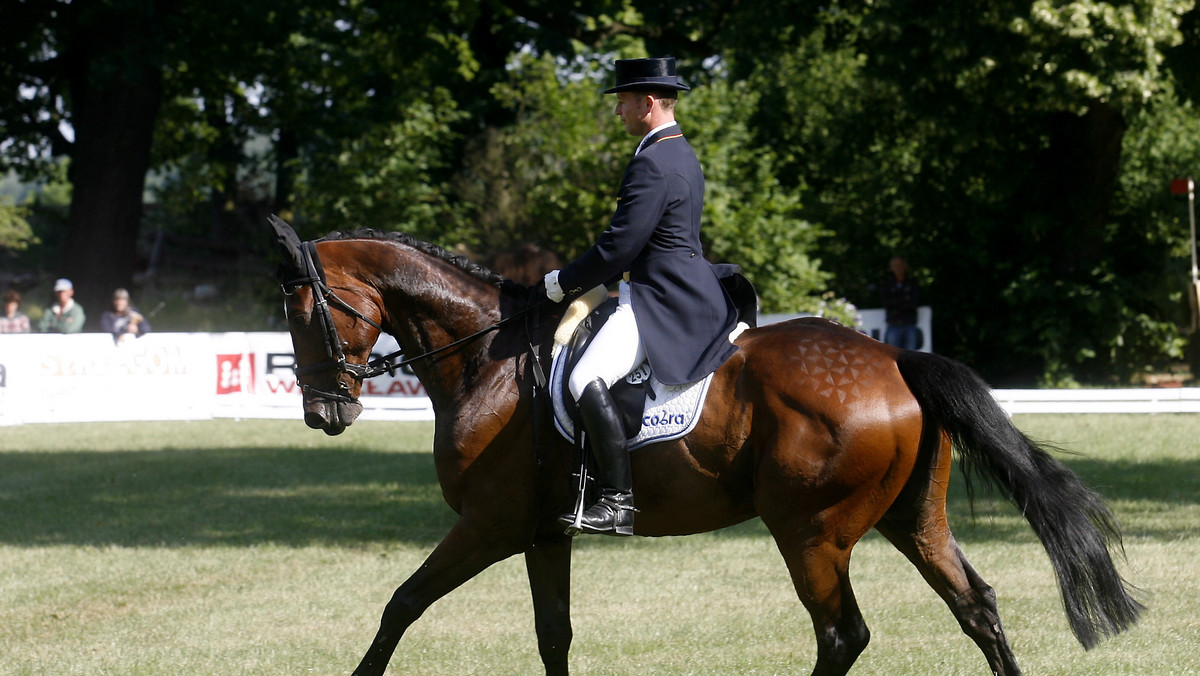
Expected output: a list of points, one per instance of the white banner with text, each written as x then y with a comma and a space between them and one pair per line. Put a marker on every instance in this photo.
47, 378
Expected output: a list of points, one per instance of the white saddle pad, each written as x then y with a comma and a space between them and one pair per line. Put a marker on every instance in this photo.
671, 410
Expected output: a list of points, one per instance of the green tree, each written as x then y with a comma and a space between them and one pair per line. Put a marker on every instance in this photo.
550, 176
751, 218
15, 231
96, 67
986, 145
88, 81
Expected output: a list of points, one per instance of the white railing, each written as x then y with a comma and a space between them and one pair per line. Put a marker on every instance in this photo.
1140, 400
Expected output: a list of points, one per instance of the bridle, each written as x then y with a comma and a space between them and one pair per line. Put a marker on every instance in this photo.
323, 298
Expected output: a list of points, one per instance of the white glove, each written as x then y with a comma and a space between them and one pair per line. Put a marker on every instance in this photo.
553, 291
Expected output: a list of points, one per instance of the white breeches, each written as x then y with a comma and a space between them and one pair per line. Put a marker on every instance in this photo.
614, 352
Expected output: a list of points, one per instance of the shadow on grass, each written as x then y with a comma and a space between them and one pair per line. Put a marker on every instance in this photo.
1142, 495
232, 496
297, 497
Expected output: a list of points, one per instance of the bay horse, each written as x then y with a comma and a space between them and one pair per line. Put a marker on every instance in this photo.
819, 431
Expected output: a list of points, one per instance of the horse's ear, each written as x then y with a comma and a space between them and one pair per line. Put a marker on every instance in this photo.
287, 244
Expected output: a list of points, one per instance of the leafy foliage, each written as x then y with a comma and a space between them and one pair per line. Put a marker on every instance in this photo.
986, 146
1017, 152
550, 177
15, 232
752, 219
385, 178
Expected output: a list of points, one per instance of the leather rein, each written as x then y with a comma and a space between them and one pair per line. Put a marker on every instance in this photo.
323, 298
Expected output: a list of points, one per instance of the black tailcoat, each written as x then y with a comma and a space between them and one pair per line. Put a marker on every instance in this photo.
683, 313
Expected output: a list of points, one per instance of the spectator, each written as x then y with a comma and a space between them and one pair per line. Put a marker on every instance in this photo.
66, 316
13, 321
124, 321
900, 296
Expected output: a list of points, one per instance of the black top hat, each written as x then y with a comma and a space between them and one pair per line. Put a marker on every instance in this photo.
646, 74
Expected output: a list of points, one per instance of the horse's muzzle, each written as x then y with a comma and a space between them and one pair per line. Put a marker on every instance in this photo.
331, 417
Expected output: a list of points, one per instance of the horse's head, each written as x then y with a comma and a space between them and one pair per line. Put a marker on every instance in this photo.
332, 333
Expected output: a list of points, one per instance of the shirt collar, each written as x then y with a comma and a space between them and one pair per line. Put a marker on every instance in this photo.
652, 133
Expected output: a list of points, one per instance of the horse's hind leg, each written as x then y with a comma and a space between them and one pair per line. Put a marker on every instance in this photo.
973, 602
917, 527
820, 573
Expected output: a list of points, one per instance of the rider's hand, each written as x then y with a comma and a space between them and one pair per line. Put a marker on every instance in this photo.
553, 291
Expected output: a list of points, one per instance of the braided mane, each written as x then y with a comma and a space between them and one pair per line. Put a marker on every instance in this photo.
461, 262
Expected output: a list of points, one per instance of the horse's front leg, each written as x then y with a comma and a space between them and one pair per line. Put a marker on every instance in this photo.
460, 556
549, 564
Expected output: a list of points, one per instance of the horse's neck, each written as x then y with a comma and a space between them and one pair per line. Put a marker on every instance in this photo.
431, 305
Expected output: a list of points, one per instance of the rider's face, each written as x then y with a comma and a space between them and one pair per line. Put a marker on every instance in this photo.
634, 110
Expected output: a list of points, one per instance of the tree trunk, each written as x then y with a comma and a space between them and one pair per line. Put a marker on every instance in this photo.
116, 90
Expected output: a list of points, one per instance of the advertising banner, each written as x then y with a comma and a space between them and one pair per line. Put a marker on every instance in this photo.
87, 378
174, 376
254, 372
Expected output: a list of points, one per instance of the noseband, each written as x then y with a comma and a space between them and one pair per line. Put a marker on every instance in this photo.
323, 297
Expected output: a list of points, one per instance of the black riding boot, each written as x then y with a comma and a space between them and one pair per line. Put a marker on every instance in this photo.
613, 512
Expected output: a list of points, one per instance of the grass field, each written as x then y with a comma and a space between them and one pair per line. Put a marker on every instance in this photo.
261, 547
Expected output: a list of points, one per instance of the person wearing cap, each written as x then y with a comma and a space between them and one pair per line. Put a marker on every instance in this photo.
124, 321
13, 320
672, 308
66, 316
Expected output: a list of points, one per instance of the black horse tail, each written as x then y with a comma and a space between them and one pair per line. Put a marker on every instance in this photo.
1071, 520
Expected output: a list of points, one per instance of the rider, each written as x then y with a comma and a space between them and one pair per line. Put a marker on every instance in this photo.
673, 310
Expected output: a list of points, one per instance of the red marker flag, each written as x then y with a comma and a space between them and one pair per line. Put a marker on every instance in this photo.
1182, 186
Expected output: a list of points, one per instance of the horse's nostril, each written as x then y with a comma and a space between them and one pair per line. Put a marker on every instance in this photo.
314, 420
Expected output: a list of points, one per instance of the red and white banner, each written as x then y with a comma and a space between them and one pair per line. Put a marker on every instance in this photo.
174, 376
